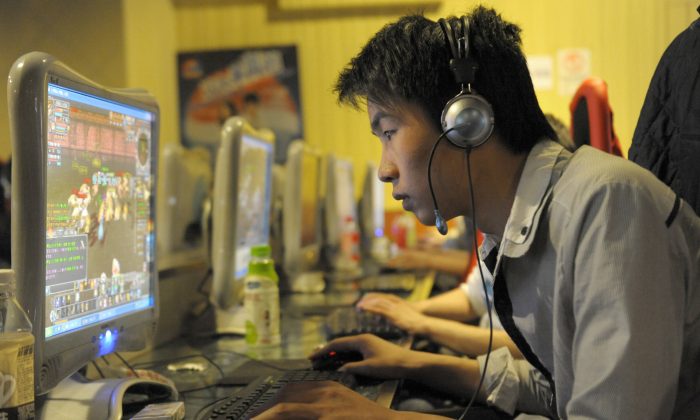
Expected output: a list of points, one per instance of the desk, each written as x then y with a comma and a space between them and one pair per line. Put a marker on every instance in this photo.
197, 365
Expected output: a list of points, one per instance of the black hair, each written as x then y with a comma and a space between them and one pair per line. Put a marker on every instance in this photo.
251, 98
408, 61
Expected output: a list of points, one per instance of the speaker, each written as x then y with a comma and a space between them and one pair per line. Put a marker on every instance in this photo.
467, 118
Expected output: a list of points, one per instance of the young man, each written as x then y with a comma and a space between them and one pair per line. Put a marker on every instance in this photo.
595, 261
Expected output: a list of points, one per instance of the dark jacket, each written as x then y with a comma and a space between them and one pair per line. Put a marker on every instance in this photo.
667, 138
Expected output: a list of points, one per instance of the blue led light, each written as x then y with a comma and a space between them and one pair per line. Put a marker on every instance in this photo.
108, 341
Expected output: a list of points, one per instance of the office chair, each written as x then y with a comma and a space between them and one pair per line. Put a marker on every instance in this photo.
591, 117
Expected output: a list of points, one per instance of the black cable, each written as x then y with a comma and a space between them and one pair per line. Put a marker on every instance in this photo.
97, 368
440, 223
209, 359
483, 283
131, 368
201, 388
177, 359
430, 164
202, 282
270, 365
206, 407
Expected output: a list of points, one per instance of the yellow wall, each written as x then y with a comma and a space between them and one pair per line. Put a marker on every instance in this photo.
135, 42
85, 34
626, 39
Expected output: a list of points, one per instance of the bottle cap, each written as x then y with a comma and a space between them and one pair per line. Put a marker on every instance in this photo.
261, 251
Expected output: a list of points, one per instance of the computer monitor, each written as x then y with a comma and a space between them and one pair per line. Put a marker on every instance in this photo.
372, 204
301, 212
374, 243
342, 239
185, 184
241, 206
83, 204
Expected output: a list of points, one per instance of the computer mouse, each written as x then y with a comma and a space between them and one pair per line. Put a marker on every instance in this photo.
335, 359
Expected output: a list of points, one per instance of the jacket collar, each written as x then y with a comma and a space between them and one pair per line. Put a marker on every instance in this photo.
534, 188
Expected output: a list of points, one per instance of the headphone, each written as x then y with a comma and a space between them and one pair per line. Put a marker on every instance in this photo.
467, 119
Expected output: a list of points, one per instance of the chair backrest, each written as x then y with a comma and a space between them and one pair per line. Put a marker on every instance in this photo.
592, 118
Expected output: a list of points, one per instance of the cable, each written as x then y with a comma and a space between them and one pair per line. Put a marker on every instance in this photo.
202, 282
483, 283
440, 223
97, 368
177, 359
270, 365
203, 409
116, 353
201, 388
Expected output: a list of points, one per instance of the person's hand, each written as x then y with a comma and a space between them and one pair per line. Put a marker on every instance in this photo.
410, 259
381, 359
327, 400
397, 311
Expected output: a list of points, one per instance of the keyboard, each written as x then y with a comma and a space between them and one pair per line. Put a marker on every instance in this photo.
246, 402
349, 321
390, 282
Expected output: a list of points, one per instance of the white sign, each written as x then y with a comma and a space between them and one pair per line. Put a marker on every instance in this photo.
541, 71
573, 66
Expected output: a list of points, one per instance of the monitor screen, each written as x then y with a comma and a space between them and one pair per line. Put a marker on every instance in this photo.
254, 194
98, 186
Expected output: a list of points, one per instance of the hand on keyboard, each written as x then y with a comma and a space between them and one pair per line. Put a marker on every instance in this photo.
322, 400
348, 321
397, 311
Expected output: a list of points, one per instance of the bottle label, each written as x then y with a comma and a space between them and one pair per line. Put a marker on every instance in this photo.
16, 376
262, 312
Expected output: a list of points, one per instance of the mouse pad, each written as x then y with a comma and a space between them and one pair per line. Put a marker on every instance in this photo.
252, 369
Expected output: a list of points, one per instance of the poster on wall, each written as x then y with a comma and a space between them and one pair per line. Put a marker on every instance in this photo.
541, 71
574, 66
259, 84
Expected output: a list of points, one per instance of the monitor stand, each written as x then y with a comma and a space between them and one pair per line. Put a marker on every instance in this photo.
307, 282
79, 398
206, 320
230, 321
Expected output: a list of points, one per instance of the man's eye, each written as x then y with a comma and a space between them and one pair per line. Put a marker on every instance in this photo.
388, 134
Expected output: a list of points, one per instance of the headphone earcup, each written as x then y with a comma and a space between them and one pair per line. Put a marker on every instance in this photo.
469, 117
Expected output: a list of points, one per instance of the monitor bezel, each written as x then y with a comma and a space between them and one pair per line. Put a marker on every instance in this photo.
63, 354
372, 195
298, 259
333, 220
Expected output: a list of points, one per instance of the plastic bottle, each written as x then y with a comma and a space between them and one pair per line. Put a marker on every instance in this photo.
16, 354
261, 300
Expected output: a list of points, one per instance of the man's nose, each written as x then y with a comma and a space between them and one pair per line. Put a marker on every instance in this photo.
387, 172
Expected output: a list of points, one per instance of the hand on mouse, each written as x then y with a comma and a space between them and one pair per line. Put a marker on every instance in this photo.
381, 359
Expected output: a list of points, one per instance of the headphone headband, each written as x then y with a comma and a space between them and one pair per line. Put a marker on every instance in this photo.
468, 118
457, 35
